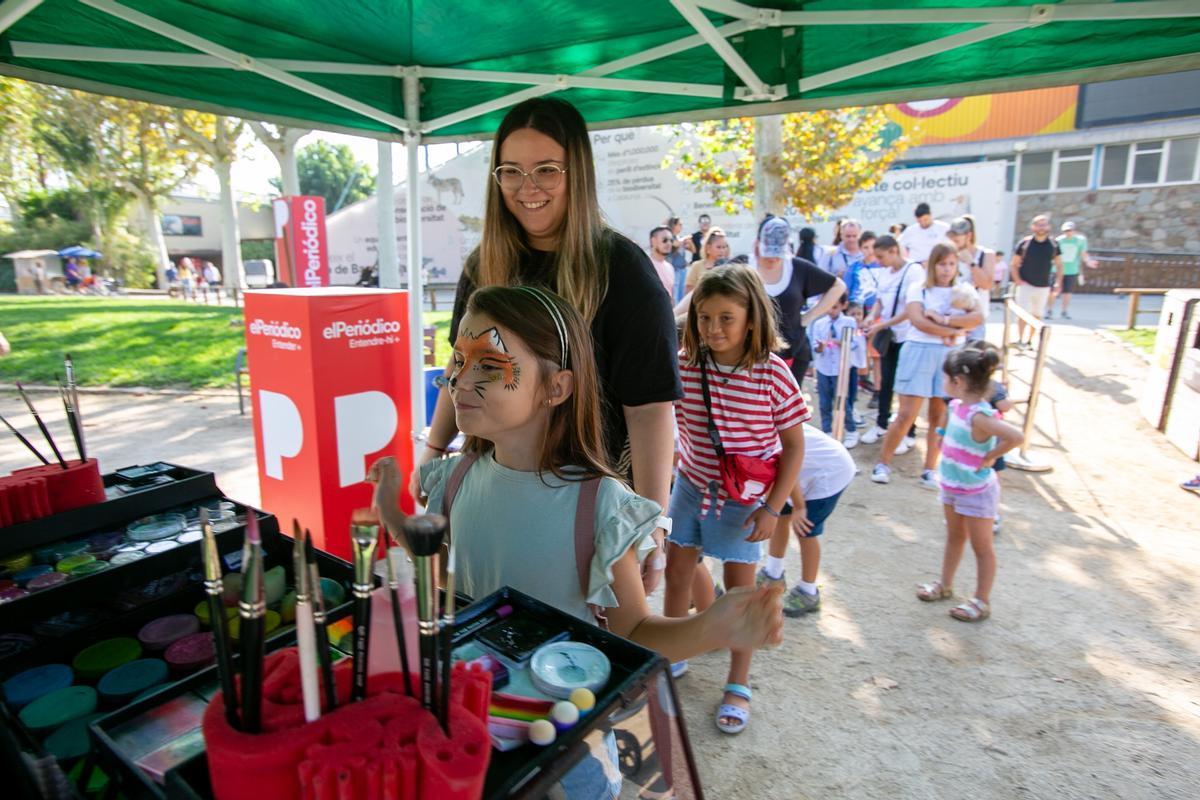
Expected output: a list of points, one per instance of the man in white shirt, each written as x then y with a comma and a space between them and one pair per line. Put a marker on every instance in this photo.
918, 240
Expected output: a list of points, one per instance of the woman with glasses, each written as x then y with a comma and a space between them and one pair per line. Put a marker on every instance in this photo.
543, 227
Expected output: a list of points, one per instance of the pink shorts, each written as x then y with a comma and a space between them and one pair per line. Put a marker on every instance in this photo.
984, 504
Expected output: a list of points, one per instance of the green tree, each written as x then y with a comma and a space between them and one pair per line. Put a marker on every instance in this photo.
18, 157
331, 171
813, 164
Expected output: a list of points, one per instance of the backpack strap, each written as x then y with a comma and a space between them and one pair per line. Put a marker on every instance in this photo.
585, 542
465, 462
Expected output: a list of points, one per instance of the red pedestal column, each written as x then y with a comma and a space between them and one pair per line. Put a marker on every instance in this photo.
330, 380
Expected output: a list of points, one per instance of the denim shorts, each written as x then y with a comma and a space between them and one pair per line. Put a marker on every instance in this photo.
817, 512
723, 539
919, 369
985, 504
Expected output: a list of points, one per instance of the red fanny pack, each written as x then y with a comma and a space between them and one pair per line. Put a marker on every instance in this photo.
744, 478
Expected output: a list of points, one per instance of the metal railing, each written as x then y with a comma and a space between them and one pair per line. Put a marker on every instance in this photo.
1022, 459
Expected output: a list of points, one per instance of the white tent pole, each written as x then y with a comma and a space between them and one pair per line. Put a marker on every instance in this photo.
11, 11
242, 61
385, 207
724, 49
1029, 15
416, 290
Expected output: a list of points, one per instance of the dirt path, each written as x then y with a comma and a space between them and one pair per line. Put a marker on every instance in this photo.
1082, 685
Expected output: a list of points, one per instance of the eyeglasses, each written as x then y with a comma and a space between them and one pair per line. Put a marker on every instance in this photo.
546, 177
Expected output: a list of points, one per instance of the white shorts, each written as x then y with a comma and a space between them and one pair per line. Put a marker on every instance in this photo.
1033, 299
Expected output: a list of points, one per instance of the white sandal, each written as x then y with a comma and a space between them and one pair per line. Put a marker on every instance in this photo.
742, 715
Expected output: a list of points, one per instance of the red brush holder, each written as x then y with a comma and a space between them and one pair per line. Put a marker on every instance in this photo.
381, 748
76, 486
23, 499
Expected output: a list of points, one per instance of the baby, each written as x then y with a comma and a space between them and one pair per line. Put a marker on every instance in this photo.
963, 300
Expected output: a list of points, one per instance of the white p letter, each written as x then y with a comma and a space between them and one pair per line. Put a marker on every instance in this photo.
365, 422
282, 431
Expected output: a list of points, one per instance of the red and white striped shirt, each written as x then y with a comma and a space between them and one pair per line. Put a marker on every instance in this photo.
750, 408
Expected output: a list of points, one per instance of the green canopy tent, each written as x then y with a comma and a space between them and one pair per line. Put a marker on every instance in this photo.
436, 70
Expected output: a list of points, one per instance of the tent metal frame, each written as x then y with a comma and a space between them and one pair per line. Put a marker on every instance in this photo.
755, 96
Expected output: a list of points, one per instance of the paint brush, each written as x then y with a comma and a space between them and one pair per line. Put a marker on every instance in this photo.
72, 423
306, 636
322, 633
214, 586
42, 426
444, 641
363, 540
397, 614
424, 535
24, 441
252, 607
73, 390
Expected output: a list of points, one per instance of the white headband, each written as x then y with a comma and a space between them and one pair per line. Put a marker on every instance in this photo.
559, 323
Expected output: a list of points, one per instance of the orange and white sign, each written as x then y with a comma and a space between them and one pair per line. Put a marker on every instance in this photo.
330, 379
301, 242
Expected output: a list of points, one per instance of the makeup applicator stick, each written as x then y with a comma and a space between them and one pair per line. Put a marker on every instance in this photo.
397, 615
41, 426
322, 633
306, 636
444, 642
252, 607
424, 535
23, 440
363, 540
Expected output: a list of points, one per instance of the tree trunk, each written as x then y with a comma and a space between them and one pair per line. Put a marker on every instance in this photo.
154, 235
231, 256
287, 166
768, 180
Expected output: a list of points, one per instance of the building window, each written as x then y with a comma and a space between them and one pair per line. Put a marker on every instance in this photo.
1116, 162
1074, 168
1035, 171
1147, 162
1181, 160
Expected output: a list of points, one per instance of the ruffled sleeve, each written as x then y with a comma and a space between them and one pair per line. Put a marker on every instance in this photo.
624, 520
433, 481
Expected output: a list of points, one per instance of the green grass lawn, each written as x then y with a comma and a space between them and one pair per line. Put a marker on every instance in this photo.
1141, 338
132, 342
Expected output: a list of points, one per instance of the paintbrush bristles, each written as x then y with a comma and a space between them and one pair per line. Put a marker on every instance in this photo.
424, 533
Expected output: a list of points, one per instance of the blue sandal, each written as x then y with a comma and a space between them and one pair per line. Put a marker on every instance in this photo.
742, 715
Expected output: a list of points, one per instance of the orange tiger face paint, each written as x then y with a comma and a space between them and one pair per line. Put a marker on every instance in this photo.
486, 359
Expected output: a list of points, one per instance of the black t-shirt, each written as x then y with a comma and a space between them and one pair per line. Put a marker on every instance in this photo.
808, 280
1037, 260
697, 238
633, 332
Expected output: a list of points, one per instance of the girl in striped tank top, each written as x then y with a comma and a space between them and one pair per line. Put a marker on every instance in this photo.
974, 438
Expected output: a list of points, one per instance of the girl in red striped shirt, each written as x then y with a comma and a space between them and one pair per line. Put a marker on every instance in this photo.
757, 409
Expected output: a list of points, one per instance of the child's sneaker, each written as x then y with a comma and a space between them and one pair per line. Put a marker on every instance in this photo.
929, 480
1191, 486
797, 602
874, 435
763, 579
882, 473
906, 444
851, 440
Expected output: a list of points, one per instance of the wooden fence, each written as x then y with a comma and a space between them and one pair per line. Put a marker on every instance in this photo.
1129, 268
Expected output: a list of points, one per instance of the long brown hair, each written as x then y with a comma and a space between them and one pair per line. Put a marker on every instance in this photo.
580, 270
742, 285
940, 252
574, 437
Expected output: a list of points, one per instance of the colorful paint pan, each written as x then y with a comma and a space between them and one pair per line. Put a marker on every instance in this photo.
72, 562
271, 620
50, 580
127, 681
158, 526
59, 707
71, 741
201, 612
188, 537
161, 633
8, 595
107, 655
126, 558
36, 571
23, 688
154, 548
13, 643
16, 562
191, 653
90, 568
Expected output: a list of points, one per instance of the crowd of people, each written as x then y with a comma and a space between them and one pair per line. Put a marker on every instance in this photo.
193, 281
666, 384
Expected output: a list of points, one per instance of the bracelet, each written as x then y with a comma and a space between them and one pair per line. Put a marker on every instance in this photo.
437, 449
770, 510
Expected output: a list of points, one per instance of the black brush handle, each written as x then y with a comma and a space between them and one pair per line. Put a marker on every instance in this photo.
216, 615
444, 706
24, 441
362, 627
429, 672
398, 623
251, 634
